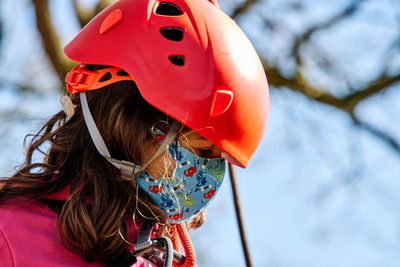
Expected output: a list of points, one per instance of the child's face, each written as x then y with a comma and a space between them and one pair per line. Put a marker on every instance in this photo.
164, 165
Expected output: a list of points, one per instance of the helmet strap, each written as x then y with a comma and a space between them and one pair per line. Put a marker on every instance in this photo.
127, 168
169, 138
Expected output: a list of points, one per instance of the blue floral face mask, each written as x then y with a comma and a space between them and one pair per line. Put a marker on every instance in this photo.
188, 191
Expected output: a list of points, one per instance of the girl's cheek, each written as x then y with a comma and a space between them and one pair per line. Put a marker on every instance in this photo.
163, 166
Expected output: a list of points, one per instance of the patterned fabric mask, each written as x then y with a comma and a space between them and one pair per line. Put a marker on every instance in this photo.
193, 185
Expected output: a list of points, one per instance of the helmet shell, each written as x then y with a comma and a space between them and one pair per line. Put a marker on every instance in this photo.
220, 90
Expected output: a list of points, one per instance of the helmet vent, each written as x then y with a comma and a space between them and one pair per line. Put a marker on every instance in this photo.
106, 77
168, 9
122, 73
177, 60
173, 34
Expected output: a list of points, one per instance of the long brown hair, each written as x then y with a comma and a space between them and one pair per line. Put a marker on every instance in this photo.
124, 119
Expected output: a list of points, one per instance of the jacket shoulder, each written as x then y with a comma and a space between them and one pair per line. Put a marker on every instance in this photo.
30, 228
6, 257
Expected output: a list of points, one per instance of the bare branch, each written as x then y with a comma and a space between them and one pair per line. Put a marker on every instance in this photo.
1, 32
346, 103
390, 141
243, 8
298, 84
380, 84
102, 4
346, 13
85, 16
51, 42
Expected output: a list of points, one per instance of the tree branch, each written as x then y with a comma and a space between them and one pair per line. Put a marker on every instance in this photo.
51, 42
346, 13
81, 14
298, 84
242, 8
346, 103
102, 4
374, 87
378, 133
1, 32
85, 16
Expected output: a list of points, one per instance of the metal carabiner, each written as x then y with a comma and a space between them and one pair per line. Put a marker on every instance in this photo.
158, 250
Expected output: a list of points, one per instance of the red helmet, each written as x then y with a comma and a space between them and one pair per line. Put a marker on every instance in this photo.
189, 60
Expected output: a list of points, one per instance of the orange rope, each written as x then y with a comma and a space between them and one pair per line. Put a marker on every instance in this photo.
176, 242
181, 234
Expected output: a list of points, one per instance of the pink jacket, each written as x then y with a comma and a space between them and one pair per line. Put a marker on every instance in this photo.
28, 236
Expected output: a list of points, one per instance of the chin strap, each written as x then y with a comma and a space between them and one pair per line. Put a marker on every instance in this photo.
127, 168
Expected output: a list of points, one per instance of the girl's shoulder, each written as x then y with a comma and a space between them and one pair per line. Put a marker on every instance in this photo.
28, 236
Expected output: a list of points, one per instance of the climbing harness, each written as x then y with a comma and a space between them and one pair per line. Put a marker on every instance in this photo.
161, 250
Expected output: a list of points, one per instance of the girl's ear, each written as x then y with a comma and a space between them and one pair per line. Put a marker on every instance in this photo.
157, 134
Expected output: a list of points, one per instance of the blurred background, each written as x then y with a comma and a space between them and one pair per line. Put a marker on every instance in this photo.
323, 189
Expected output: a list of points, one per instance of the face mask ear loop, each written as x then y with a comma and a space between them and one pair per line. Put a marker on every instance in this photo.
127, 168
169, 138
